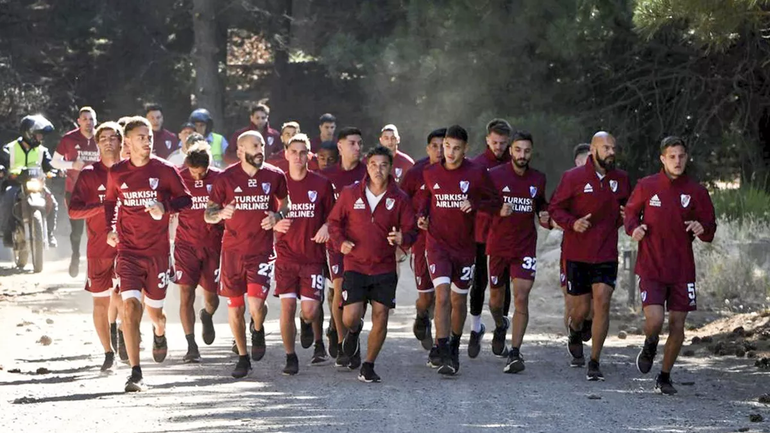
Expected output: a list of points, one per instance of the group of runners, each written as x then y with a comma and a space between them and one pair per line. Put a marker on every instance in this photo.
320, 214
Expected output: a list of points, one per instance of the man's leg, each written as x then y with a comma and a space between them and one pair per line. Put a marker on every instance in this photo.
102, 326
478, 288
236, 308
132, 317
580, 305
187, 317
53, 211
654, 316
288, 328
158, 318
521, 290
76, 233
602, 295
379, 331
676, 323
339, 324
258, 312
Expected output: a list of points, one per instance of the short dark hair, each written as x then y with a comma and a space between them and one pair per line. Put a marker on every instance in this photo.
198, 155
260, 107
499, 126
135, 122
437, 133
457, 132
580, 149
522, 135
113, 126
380, 150
187, 125
329, 145
152, 106
348, 130
671, 141
327, 118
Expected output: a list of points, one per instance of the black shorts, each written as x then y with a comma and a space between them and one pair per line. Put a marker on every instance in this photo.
357, 287
582, 276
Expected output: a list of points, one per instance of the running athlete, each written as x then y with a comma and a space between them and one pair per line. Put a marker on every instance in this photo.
401, 161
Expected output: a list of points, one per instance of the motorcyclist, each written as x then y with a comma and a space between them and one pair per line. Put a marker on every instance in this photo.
204, 125
23, 153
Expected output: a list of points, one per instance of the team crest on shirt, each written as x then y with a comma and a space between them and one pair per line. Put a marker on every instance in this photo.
494, 279
177, 276
398, 171
644, 296
168, 144
335, 268
312, 195
464, 184
432, 269
199, 184
208, 188
613, 185
270, 142
266, 187
154, 183
685, 199
533, 191
389, 202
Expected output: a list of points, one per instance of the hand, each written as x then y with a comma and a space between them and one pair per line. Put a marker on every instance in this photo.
545, 218
506, 210
639, 232
282, 226
322, 235
582, 224
112, 239
422, 223
556, 226
466, 206
270, 220
155, 209
78, 164
622, 212
695, 227
395, 237
347, 247
227, 212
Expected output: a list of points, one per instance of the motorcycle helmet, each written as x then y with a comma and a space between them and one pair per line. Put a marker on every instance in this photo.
32, 125
202, 115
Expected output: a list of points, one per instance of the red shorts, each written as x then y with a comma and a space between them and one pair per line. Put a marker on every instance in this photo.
421, 275
445, 269
302, 280
675, 297
196, 265
238, 271
336, 264
101, 275
522, 268
150, 274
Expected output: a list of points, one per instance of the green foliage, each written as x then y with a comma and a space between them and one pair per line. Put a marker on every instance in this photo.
739, 205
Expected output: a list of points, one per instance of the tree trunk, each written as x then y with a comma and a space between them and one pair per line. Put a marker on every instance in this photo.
209, 91
282, 43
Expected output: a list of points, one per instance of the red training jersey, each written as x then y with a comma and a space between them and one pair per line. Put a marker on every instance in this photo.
341, 178
74, 145
401, 164
164, 143
87, 202
193, 229
411, 184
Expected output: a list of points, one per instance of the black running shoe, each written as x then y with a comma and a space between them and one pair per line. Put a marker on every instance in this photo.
258, 347
434, 358
331, 333
664, 387
319, 354
355, 361
292, 365
447, 367
193, 356
135, 384
242, 368
351, 344
342, 360
646, 356
594, 373
585, 333
208, 333
159, 347
306, 336
515, 364
498, 338
75, 268
114, 336
367, 373
454, 348
474, 345
122, 352
575, 348
422, 331
109, 360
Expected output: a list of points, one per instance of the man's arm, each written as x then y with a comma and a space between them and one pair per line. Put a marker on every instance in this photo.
487, 200
560, 203
180, 195
634, 208
337, 222
79, 206
408, 224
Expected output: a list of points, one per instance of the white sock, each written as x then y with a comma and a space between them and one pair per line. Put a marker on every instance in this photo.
475, 323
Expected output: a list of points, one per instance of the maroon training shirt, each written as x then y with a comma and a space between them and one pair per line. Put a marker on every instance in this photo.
579, 193
487, 160
87, 203
665, 252
352, 219
312, 199
272, 140
401, 164
135, 188
450, 229
411, 185
74, 145
254, 196
515, 236
341, 178
193, 229
164, 143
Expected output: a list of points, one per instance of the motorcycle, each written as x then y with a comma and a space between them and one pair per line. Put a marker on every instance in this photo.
29, 232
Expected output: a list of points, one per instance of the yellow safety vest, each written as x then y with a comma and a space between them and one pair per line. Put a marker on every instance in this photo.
216, 146
21, 159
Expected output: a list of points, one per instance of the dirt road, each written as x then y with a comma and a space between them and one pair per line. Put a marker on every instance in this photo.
716, 394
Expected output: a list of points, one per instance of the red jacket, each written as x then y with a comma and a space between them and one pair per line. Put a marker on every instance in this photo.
271, 136
352, 219
164, 143
665, 252
488, 160
581, 192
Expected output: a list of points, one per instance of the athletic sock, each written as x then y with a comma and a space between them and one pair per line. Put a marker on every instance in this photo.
113, 327
136, 371
443, 342
665, 377
475, 323
243, 358
455, 337
514, 351
191, 340
652, 340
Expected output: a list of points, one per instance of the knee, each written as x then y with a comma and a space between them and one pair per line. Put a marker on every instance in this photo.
676, 327
310, 311
521, 299
458, 301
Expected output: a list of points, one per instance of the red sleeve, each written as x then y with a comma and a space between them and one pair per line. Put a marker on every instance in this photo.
487, 200
218, 193
541, 204
560, 202
110, 203
338, 219
408, 223
180, 195
82, 204
624, 199
328, 202
63, 148
281, 190
706, 216
634, 209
